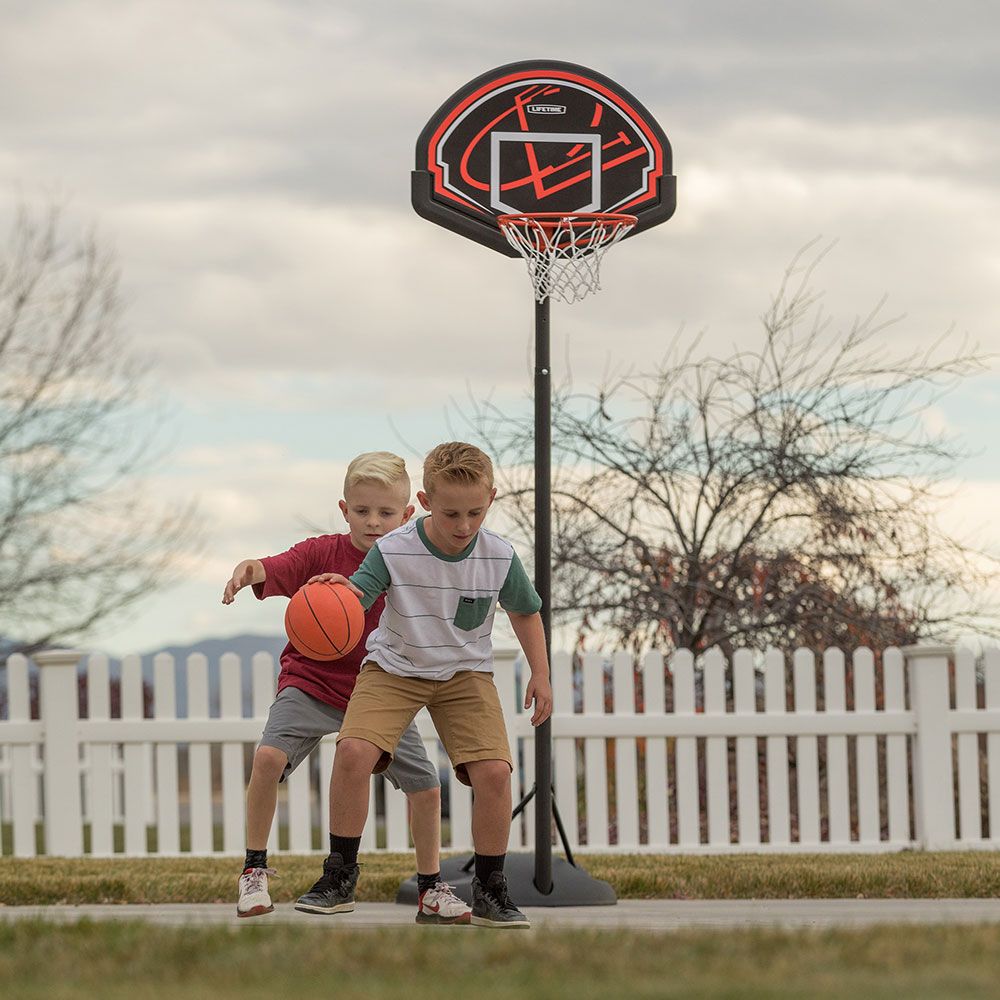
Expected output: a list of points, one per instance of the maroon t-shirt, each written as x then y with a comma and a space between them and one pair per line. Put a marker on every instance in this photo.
331, 681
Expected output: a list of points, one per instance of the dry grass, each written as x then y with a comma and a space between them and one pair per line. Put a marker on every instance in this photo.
908, 875
206, 880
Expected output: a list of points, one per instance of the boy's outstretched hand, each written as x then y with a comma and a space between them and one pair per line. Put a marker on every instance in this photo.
539, 691
244, 574
336, 578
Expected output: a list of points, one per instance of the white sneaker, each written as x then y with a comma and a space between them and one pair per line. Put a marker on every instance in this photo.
254, 897
440, 905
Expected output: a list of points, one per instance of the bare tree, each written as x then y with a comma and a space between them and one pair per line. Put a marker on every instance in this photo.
79, 538
781, 496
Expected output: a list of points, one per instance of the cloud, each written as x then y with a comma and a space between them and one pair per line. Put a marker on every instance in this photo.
281, 287
250, 161
263, 201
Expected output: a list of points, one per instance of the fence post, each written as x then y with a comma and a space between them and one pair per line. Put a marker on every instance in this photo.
59, 712
933, 791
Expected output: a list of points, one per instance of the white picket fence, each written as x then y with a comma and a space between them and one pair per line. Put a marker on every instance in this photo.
900, 755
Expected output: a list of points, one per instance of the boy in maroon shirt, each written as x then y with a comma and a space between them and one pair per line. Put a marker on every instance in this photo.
312, 696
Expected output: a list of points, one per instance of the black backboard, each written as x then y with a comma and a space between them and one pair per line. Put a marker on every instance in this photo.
540, 136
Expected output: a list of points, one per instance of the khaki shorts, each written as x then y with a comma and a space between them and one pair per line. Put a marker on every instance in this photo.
465, 709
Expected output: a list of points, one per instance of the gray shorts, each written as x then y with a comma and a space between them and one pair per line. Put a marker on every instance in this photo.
297, 722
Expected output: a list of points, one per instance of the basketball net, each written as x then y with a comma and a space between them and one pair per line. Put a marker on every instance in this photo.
564, 251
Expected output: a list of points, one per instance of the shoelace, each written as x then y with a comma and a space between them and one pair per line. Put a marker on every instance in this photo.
443, 889
256, 878
334, 877
500, 896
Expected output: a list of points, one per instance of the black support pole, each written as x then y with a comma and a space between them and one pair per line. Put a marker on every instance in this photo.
538, 879
543, 584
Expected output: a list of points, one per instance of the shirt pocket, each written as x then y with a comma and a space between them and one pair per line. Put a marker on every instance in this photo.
471, 612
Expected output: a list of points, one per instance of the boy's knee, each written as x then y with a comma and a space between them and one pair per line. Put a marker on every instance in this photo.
270, 762
489, 776
425, 796
356, 756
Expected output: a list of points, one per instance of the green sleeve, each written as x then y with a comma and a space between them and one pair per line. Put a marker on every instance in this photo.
372, 576
517, 594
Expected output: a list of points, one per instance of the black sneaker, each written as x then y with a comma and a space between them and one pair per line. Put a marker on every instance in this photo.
333, 891
492, 906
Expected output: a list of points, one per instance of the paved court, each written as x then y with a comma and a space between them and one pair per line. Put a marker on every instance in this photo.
649, 915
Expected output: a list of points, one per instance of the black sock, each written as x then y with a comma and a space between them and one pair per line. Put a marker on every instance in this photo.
487, 864
425, 882
346, 847
255, 859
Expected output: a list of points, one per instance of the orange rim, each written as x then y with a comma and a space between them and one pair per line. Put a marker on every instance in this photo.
552, 220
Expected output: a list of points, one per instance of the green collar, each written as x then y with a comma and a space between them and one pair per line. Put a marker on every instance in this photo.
435, 551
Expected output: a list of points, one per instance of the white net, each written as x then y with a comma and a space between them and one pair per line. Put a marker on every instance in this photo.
564, 252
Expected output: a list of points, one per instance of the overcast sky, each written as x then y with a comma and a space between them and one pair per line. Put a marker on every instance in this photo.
250, 160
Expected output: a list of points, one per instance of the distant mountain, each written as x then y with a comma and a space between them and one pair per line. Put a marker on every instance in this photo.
244, 646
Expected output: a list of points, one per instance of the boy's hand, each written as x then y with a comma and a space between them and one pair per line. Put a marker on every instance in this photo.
531, 635
539, 691
238, 582
336, 578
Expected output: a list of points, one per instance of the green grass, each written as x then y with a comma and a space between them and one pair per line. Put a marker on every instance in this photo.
205, 880
121, 961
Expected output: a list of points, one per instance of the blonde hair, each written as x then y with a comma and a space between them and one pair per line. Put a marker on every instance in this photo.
382, 467
457, 462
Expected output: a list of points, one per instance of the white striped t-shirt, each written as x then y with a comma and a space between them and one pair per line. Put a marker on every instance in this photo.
439, 608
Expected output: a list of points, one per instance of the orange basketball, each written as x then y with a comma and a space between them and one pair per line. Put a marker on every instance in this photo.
324, 621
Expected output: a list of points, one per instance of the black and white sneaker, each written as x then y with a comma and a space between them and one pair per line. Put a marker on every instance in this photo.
333, 891
492, 906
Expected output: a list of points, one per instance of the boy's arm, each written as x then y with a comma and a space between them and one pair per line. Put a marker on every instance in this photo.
531, 635
248, 572
368, 581
522, 604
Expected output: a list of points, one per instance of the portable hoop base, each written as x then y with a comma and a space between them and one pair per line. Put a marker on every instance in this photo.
564, 251
572, 885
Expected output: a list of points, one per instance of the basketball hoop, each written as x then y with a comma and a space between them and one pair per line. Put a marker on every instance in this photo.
563, 251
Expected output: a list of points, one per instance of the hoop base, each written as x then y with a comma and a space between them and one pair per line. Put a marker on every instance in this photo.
571, 886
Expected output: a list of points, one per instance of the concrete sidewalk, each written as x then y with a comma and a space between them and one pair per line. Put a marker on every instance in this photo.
647, 915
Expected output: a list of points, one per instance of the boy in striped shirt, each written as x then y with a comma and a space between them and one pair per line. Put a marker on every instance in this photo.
443, 576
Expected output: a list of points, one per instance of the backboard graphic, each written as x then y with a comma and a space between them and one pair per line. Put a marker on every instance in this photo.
540, 136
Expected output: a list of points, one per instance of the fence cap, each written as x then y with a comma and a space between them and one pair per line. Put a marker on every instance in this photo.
929, 649
57, 657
